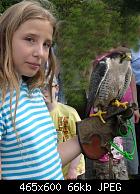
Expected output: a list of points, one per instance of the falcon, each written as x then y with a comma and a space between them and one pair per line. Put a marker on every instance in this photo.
109, 81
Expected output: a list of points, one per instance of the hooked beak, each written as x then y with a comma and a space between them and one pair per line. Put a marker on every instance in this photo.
127, 57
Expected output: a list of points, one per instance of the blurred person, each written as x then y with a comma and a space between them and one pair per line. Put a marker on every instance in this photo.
64, 118
136, 70
129, 141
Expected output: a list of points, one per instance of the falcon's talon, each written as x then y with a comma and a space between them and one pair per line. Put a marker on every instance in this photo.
120, 104
99, 114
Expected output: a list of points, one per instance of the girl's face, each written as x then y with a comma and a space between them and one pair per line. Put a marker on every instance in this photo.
30, 46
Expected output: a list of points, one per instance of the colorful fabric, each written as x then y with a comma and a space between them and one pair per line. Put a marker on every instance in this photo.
127, 96
35, 156
116, 155
64, 118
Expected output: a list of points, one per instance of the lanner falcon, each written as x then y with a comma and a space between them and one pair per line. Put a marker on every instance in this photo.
109, 81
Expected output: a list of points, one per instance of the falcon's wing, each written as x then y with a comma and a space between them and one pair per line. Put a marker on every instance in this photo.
126, 84
97, 76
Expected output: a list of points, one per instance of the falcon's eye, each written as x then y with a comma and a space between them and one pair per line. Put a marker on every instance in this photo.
125, 56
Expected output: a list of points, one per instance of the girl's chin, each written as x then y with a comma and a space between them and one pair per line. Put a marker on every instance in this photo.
29, 74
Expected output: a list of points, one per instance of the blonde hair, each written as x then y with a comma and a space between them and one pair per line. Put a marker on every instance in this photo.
10, 21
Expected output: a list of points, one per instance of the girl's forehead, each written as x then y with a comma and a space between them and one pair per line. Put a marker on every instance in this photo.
35, 22
33, 26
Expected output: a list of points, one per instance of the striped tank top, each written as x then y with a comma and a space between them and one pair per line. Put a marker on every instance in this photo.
34, 156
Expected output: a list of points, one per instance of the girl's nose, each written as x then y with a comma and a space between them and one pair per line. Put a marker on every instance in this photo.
38, 51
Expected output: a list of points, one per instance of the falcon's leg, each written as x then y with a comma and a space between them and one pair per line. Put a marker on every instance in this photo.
99, 114
120, 104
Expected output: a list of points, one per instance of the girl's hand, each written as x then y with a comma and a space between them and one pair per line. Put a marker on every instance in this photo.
72, 174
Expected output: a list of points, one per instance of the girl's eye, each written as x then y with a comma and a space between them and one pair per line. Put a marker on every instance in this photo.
47, 45
29, 39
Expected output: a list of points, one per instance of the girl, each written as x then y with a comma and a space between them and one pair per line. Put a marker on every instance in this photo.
27, 134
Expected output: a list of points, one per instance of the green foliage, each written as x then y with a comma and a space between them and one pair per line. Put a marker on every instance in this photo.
4, 4
89, 28
125, 6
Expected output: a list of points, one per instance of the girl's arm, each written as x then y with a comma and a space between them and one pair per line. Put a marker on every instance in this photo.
69, 150
72, 171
